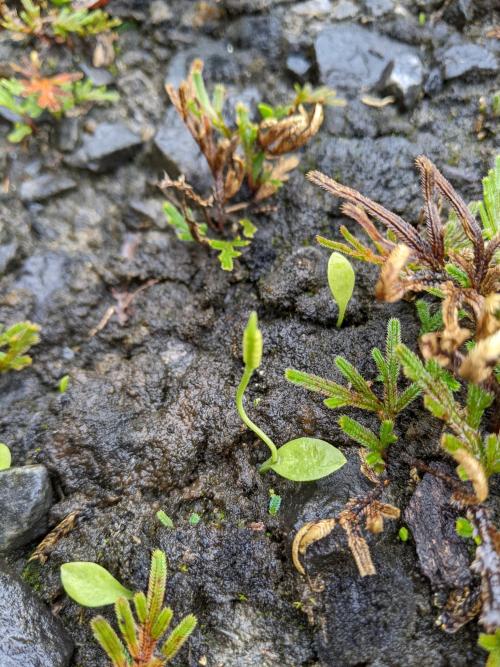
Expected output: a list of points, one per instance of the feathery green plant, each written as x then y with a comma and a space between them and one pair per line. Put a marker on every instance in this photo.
359, 394
142, 634
17, 339
300, 460
40, 19
438, 387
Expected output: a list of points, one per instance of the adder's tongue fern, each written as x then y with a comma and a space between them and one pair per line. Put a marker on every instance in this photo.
252, 356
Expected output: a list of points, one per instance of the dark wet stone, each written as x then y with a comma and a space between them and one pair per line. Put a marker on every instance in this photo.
30, 636
263, 33
403, 78
443, 555
463, 59
459, 13
25, 498
177, 151
366, 617
45, 186
244, 7
68, 134
106, 148
351, 56
298, 65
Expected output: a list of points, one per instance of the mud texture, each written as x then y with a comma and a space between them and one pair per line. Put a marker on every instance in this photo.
148, 421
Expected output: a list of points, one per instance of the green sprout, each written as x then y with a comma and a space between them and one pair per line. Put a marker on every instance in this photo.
17, 339
63, 384
194, 519
341, 278
359, 394
164, 519
403, 534
300, 460
491, 643
91, 585
274, 503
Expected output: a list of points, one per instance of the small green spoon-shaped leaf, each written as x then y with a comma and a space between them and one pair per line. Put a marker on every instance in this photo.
91, 585
306, 459
341, 278
5, 457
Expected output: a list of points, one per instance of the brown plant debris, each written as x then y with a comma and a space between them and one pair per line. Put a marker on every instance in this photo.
48, 543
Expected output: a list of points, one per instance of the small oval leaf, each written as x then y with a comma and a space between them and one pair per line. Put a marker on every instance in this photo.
307, 459
5, 457
91, 585
341, 279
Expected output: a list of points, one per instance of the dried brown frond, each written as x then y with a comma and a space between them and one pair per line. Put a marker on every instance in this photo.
435, 231
280, 172
480, 362
181, 185
402, 229
64, 527
443, 345
287, 134
488, 319
358, 546
309, 533
475, 474
390, 287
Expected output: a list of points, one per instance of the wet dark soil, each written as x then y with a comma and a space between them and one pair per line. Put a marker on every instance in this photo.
148, 421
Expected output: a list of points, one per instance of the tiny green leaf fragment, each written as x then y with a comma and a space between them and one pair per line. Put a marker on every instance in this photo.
91, 585
63, 383
164, 519
248, 228
194, 519
403, 534
306, 459
341, 278
5, 457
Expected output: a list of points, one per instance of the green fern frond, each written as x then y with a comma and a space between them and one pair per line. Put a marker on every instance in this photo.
127, 625
110, 642
359, 433
489, 208
156, 586
357, 381
162, 622
429, 322
178, 637
478, 400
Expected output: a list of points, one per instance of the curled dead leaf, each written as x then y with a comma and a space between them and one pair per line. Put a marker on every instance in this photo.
282, 136
389, 286
311, 532
482, 359
476, 475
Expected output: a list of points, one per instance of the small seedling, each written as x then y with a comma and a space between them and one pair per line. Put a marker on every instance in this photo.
63, 384
17, 339
274, 503
300, 460
31, 94
359, 394
465, 529
194, 519
403, 534
244, 157
341, 278
164, 519
92, 586
5, 457
58, 23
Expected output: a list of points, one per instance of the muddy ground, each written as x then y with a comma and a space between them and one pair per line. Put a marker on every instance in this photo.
148, 421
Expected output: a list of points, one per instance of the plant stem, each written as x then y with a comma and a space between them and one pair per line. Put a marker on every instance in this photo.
246, 419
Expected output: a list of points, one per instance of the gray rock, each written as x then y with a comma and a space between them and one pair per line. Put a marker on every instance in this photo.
434, 83
344, 9
464, 59
106, 148
25, 498
378, 7
160, 12
312, 8
98, 75
403, 78
350, 56
178, 151
44, 187
211, 52
29, 634
298, 65
68, 134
